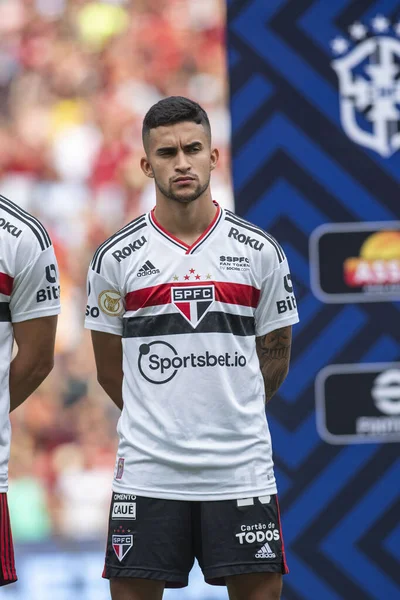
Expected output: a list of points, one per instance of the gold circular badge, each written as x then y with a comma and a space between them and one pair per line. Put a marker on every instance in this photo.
110, 303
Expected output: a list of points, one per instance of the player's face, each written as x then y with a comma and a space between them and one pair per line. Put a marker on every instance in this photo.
180, 160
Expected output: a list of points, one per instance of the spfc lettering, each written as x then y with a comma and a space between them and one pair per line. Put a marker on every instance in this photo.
122, 544
193, 301
124, 510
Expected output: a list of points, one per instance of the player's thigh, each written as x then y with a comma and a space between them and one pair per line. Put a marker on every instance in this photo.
148, 539
136, 589
254, 586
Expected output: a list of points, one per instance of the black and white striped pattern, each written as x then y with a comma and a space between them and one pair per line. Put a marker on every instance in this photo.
126, 231
232, 218
21, 215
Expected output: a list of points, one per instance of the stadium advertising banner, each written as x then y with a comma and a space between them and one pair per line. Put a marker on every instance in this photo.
356, 262
359, 403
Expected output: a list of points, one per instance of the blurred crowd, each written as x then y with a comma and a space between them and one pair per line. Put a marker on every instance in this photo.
76, 78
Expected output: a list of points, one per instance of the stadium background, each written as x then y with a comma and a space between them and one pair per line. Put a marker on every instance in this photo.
76, 78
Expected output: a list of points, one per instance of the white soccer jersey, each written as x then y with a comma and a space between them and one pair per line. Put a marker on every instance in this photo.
193, 424
29, 288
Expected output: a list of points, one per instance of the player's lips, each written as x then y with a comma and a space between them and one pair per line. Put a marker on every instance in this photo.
183, 180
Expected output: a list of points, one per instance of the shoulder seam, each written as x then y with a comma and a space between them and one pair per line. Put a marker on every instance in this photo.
110, 242
232, 218
22, 215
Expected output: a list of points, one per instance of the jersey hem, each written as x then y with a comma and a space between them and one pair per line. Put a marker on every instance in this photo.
106, 329
36, 314
194, 497
281, 322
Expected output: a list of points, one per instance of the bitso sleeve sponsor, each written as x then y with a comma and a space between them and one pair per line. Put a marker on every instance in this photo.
277, 306
36, 288
105, 305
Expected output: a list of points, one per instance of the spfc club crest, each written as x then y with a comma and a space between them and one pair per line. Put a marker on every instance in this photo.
369, 85
122, 543
193, 301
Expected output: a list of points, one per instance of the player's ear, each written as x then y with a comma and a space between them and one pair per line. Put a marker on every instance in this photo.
214, 158
146, 167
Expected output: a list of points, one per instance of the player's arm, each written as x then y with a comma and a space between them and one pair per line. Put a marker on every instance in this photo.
275, 314
104, 312
273, 351
107, 349
34, 306
34, 359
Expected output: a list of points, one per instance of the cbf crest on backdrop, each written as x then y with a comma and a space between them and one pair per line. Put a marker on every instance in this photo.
315, 103
369, 84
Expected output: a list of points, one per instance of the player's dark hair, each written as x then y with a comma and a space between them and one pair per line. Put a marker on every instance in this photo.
172, 110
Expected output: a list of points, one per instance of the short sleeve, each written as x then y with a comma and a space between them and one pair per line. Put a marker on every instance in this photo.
105, 305
277, 305
36, 289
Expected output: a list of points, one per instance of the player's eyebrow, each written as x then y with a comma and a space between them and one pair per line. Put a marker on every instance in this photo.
166, 149
169, 149
192, 145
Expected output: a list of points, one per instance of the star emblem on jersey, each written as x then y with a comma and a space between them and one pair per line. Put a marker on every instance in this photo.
193, 301
190, 275
121, 544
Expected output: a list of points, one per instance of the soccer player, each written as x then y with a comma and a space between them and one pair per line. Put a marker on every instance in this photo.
191, 309
29, 305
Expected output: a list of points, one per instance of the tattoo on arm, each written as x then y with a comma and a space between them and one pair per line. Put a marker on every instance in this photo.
273, 352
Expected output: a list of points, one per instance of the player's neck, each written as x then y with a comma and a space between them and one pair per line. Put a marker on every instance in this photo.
185, 221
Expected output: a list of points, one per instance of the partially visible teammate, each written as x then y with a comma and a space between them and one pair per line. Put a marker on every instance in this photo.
191, 309
29, 303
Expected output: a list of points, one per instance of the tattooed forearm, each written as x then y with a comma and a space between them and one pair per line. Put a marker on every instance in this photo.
273, 352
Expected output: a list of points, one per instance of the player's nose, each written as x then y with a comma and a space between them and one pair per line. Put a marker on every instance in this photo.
182, 162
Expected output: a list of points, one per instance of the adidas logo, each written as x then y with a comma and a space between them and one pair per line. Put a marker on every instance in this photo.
265, 552
147, 269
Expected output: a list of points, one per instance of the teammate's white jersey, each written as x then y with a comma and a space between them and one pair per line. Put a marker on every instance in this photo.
29, 288
193, 425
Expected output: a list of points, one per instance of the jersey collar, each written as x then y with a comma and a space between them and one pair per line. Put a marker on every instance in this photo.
179, 243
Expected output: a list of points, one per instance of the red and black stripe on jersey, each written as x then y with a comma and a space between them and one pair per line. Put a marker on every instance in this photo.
6, 285
173, 323
230, 293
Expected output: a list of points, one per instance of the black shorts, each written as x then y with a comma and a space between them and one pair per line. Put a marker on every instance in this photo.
7, 566
159, 539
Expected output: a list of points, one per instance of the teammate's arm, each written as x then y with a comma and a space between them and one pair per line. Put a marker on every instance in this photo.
273, 351
35, 357
107, 349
